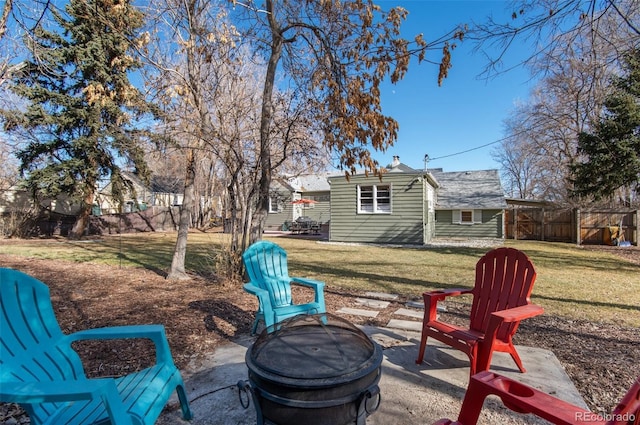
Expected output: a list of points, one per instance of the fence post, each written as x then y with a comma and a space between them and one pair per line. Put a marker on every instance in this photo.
636, 234
578, 227
542, 224
505, 225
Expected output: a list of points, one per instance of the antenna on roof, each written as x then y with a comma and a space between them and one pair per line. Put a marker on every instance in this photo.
426, 161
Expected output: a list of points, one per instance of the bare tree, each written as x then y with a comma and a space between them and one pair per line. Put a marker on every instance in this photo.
336, 54
549, 27
574, 63
294, 145
181, 41
518, 160
209, 85
18, 20
9, 171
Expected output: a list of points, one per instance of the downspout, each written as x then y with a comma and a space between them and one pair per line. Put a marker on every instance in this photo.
426, 237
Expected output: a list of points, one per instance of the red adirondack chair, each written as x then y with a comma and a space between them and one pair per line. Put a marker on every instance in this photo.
522, 398
504, 281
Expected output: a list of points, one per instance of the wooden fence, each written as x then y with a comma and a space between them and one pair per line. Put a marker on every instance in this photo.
589, 227
153, 219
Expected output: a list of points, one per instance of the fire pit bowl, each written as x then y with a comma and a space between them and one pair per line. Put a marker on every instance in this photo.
313, 369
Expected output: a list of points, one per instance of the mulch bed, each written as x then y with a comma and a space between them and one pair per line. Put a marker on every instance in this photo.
201, 314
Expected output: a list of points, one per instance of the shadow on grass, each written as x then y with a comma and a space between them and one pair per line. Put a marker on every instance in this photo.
217, 313
386, 282
329, 273
580, 260
152, 254
634, 308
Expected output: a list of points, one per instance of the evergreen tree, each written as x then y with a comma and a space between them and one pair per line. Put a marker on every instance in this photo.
83, 117
612, 151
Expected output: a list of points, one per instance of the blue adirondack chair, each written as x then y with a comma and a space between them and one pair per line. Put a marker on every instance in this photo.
40, 370
266, 265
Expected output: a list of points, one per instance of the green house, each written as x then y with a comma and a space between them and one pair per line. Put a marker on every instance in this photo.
408, 206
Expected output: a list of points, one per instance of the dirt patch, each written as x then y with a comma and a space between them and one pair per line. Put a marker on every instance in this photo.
199, 315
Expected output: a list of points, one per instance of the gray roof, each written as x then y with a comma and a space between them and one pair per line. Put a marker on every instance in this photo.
161, 184
469, 189
158, 184
401, 168
310, 182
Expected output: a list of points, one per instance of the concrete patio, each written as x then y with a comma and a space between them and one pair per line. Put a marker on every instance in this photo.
411, 394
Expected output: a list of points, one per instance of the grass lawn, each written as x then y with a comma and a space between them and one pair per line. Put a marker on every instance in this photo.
573, 282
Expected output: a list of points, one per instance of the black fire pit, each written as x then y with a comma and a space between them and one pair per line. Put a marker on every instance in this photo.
313, 370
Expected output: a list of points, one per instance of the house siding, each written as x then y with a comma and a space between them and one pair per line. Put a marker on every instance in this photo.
320, 211
402, 225
491, 226
285, 211
275, 220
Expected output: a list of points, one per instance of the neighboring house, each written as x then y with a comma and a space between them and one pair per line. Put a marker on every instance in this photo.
470, 204
284, 191
281, 193
162, 191
17, 200
411, 206
14, 200
19, 215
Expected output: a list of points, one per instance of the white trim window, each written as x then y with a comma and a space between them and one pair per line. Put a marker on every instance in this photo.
275, 205
374, 199
467, 217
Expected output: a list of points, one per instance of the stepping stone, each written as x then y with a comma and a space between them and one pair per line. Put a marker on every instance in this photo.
358, 312
382, 296
372, 303
405, 324
409, 313
417, 304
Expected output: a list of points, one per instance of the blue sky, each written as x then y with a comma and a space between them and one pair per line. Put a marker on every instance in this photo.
466, 112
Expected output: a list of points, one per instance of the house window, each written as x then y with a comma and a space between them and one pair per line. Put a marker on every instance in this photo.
374, 199
467, 216
129, 206
274, 204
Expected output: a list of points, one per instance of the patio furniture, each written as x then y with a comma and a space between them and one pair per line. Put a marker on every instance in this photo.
266, 265
503, 284
522, 398
296, 227
304, 225
41, 371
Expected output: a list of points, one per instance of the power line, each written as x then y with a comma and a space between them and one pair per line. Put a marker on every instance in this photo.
510, 136
468, 150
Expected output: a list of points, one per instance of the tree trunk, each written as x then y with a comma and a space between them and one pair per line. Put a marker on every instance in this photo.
82, 221
262, 208
6, 11
177, 270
